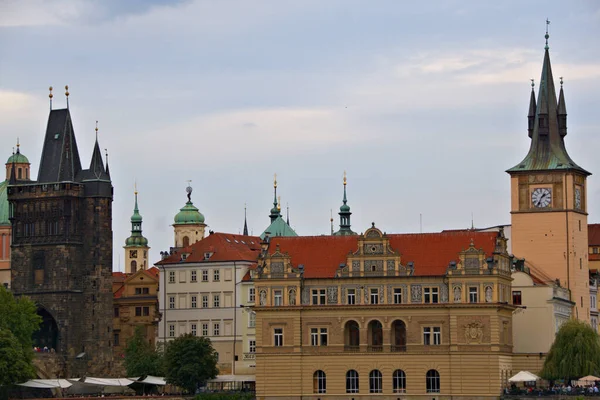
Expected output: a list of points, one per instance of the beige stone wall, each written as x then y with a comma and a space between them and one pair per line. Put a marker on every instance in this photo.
137, 254
194, 233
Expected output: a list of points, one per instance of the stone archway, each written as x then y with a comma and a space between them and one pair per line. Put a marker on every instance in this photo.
48, 334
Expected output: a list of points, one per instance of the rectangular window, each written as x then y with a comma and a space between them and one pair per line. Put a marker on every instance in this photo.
138, 290
397, 295
116, 310
193, 330
171, 276
204, 301
146, 311
193, 277
277, 298
323, 336
216, 275
318, 296
252, 346
251, 319
138, 311
426, 336
145, 290
437, 336
374, 295
216, 329
516, 295
171, 302
278, 337
314, 336
204, 276
431, 295
116, 339
351, 296
204, 329
595, 250
194, 301
171, 330
216, 301
473, 294
251, 295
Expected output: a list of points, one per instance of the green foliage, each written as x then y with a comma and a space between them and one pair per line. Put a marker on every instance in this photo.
574, 353
141, 358
18, 321
225, 396
190, 361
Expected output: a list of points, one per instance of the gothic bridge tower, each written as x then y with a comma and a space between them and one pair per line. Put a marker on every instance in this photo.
62, 249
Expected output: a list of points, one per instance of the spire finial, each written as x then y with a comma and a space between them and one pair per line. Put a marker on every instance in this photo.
331, 220
547, 35
279, 203
18, 145
50, 96
135, 187
288, 213
96, 130
532, 84
275, 181
67, 94
189, 190
245, 222
561, 82
344, 178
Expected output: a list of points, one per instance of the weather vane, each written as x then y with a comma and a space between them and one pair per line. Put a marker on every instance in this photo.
547, 35
189, 190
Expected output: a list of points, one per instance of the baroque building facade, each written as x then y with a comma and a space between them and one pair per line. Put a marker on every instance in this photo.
62, 249
385, 315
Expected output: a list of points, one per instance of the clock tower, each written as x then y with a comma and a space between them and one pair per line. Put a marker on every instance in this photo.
136, 245
549, 196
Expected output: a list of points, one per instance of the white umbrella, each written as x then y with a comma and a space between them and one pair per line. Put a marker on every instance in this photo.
524, 376
46, 383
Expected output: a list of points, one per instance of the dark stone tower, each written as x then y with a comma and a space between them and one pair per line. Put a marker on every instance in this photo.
62, 250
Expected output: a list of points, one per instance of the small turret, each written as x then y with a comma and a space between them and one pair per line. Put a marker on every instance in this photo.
562, 111
275, 211
345, 214
532, 107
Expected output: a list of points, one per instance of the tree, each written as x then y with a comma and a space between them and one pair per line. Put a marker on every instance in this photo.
141, 358
574, 353
190, 361
18, 321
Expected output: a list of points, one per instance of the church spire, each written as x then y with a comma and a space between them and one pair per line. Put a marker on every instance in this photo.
345, 215
276, 210
96, 165
245, 222
532, 107
562, 111
547, 151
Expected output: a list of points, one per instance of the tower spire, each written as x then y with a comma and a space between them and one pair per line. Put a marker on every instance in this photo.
288, 213
532, 107
276, 210
50, 97
562, 111
345, 214
245, 222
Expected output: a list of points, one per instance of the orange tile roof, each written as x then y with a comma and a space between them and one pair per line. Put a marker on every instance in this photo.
594, 257
119, 292
430, 252
119, 276
593, 234
224, 246
153, 271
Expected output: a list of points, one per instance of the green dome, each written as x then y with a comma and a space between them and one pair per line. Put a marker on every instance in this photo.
136, 217
4, 204
345, 208
139, 241
189, 215
18, 158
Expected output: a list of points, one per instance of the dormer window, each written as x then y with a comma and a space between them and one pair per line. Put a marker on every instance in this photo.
207, 255
184, 256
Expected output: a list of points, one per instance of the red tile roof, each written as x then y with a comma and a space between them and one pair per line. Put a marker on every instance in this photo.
119, 276
430, 252
153, 271
593, 234
224, 246
119, 292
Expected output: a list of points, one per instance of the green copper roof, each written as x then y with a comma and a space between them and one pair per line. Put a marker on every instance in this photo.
189, 215
18, 158
4, 204
136, 217
548, 151
279, 228
136, 239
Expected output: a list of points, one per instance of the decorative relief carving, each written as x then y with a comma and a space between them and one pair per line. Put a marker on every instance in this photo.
292, 297
472, 263
332, 294
390, 298
391, 265
276, 268
416, 292
373, 249
489, 294
444, 293
305, 295
373, 233
344, 298
381, 293
457, 294
474, 332
355, 266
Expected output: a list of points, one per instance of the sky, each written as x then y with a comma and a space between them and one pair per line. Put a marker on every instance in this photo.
423, 104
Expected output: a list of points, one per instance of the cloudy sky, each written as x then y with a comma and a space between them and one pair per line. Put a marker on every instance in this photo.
424, 104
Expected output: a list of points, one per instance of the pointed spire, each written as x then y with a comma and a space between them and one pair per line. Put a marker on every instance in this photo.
136, 239
331, 220
107, 170
13, 171
96, 165
345, 214
245, 222
67, 94
532, 108
288, 213
276, 210
562, 111
345, 200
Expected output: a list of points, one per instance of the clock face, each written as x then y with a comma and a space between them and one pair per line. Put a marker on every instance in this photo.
541, 197
133, 253
578, 198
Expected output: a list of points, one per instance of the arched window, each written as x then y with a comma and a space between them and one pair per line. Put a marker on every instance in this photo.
375, 336
319, 382
399, 381
352, 381
186, 241
375, 381
432, 381
398, 336
133, 266
352, 336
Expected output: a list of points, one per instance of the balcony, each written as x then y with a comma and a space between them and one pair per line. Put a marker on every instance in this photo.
396, 349
375, 349
351, 349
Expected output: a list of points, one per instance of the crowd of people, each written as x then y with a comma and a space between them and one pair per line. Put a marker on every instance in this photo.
44, 349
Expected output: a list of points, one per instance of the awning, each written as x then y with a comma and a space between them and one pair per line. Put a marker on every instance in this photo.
46, 383
587, 380
234, 378
524, 376
107, 381
153, 380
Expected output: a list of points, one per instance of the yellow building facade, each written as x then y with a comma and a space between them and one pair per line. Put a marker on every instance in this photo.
386, 315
